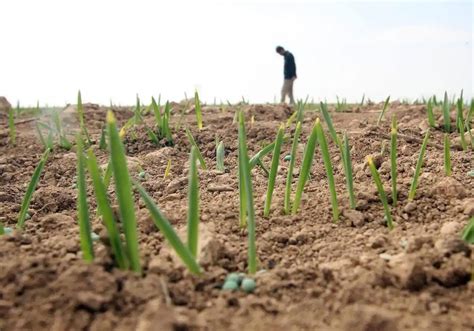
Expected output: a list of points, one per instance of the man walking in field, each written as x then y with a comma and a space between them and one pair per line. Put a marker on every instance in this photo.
289, 74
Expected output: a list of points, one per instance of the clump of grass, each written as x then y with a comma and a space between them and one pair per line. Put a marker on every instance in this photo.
220, 154
419, 164
289, 178
383, 196
82, 122
106, 212
329, 171
447, 155
382, 112
393, 160
446, 113
193, 204
31, 188
273, 170
305, 168
245, 181
192, 141
82, 205
197, 108
11, 126
123, 190
63, 141
162, 120
429, 112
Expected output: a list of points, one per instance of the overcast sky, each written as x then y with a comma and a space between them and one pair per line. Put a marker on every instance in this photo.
113, 49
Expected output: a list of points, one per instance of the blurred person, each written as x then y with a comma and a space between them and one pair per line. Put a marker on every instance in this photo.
289, 72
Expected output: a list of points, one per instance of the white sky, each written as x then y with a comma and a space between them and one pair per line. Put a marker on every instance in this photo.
115, 49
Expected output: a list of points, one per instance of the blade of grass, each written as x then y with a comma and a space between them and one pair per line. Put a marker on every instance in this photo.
382, 112
329, 171
247, 179
103, 140
123, 190
446, 114
80, 112
273, 170
168, 169
328, 120
197, 108
193, 204
168, 232
11, 126
157, 112
106, 212
429, 111
383, 196
460, 122
305, 168
468, 232
419, 164
193, 143
31, 188
220, 154
289, 177
82, 205
348, 169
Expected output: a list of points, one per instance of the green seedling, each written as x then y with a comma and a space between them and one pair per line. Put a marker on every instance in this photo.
460, 123
348, 169
468, 232
29, 191
106, 212
447, 155
193, 204
168, 232
103, 140
11, 126
82, 205
383, 196
419, 164
273, 170
362, 101
123, 189
305, 168
329, 170
197, 108
80, 113
384, 109
247, 186
220, 154
292, 159
193, 143
167, 170
446, 113
429, 111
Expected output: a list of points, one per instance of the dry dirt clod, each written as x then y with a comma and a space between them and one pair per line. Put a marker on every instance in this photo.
359, 317
450, 228
449, 187
452, 245
354, 216
468, 207
409, 207
408, 271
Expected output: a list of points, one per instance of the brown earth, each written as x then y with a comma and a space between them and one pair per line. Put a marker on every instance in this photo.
316, 275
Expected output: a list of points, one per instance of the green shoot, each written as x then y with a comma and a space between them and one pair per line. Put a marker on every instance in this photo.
157, 112
106, 212
447, 155
468, 232
220, 153
11, 126
242, 195
247, 184
2, 229
383, 196
167, 170
193, 204
260, 154
103, 140
291, 118
82, 205
80, 112
305, 168
429, 111
168, 232
289, 178
328, 120
362, 101
419, 164
393, 160
123, 189
193, 143
460, 123
137, 112
348, 168
273, 170
31, 188
385, 106
446, 114
197, 108
329, 171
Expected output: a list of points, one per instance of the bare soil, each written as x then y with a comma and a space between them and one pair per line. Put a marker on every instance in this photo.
316, 275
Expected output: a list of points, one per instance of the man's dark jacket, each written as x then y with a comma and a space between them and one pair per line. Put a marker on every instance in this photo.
290, 66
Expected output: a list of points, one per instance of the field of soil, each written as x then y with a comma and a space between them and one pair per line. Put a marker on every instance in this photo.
355, 275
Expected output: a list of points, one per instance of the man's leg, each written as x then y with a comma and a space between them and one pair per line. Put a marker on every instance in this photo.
284, 91
290, 91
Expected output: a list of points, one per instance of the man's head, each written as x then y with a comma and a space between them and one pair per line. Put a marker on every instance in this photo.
280, 50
